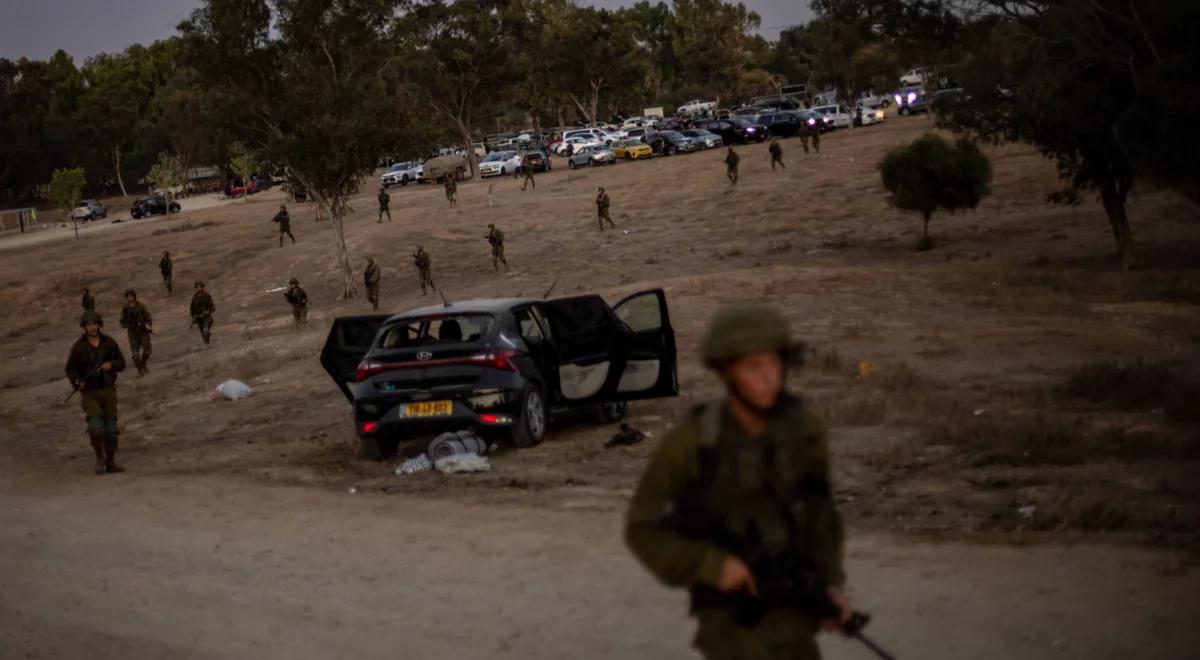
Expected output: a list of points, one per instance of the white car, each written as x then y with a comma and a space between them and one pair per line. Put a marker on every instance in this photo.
499, 163
401, 174
835, 115
866, 115
577, 142
916, 76
89, 209
697, 106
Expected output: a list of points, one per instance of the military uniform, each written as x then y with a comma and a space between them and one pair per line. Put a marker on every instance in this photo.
385, 201
602, 204
496, 238
88, 302
776, 154
202, 310
371, 282
98, 391
815, 131
135, 318
298, 299
285, 225
731, 165
424, 269
166, 267
528, 178
451, 189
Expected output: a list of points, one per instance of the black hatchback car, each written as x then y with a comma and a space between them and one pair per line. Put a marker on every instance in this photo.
500, 367
152, 205
781, 124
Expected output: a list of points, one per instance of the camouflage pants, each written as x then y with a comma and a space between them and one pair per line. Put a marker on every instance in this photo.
383, 210
167, 281
602, 215
780, 636
373, 295
450, 196
426, 280
204, 323
731, 171
498, 257
139, 348
285, 231
528, 179
300, 316
777, 159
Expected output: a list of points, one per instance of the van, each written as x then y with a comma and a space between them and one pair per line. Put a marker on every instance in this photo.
437, 169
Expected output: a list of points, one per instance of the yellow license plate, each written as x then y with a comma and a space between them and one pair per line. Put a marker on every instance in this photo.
427, 409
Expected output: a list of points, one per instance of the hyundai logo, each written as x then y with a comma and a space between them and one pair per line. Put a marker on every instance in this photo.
424, 355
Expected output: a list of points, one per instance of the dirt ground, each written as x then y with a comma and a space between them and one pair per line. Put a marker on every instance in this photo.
1014, 422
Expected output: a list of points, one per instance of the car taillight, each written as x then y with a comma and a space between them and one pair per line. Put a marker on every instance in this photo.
367, 369
495, 360
491, 359
368, 427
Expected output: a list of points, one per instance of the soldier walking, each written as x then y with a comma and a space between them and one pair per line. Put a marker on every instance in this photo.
88, 302
166, 267
135, 318
803, 133
385, 201
776, 154
202, 310
371, 281
285, 224
92, 367
602, 204
298, 299
815, 131
451, 189
528, 177
496, 238
424, 265
736, 504
731, 166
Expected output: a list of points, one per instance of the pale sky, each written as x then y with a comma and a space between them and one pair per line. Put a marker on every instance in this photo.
37, 28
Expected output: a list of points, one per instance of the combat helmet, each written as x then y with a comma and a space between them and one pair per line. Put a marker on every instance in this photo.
745, 328
91, 316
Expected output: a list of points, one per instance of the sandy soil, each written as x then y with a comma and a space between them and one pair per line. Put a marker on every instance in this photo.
963, 427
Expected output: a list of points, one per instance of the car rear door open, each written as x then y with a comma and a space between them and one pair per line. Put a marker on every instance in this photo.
350, 337
589, 347
650, 366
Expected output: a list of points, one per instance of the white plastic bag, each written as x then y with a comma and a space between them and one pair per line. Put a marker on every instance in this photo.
462, 463
234, 390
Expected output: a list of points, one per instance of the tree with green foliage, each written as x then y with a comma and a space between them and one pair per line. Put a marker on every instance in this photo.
243, 162
931, 174
168, 174
714, 45
66, 189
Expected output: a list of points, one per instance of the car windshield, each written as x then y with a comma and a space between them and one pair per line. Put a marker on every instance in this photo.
427, 331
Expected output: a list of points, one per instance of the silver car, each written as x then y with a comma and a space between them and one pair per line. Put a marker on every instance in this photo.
591, 156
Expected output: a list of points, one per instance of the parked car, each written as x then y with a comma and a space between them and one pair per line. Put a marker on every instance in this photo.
638, 134
868, 116
781, 124
437, 169
916, 76
697, 107
749, 130
499, 367
152, 205
598, 155
89, 209
535, 160
812, 119
236, 187
836, 116
703, 138
401, 174
725, 128
632, 149
499, 163
911, 100
576, 142
675, 142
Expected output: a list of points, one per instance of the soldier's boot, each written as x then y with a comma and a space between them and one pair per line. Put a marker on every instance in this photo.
97, 440
110, 453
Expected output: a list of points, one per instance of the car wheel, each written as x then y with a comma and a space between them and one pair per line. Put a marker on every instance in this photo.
530, 428
903, 112
375, 448
628, 156
610, 412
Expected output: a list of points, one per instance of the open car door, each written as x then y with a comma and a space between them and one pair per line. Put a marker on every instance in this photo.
349, 339
589, 348
649, 369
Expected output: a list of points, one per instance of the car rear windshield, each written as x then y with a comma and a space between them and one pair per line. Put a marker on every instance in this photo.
426, 331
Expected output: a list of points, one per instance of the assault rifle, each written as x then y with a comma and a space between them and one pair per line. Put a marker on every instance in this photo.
86, 377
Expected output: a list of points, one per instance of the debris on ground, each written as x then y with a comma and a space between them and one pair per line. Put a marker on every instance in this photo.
419, 463
462, 463
626, 437
234, 390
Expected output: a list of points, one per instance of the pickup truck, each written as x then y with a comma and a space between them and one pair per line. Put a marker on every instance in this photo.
696, 107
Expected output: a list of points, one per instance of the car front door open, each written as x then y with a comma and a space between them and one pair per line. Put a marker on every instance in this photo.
649, 370
350, 337
589, 348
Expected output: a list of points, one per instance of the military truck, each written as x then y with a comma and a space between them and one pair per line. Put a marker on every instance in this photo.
437, 169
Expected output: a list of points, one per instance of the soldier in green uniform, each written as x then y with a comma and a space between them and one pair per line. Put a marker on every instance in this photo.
92, 367
602, 204
285, 224
776, 151
166, 267
736, 504
371, 281
731, 166
88, 302
385, 202
298, 299
424, 269
135, 318
496, 238
815, 131
451, 189
528, 177
202, 310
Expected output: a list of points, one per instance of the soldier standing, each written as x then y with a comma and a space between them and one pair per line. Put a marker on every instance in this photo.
803, 133
815, 131
202, 310
776, 154
731, 166
736, 503
385, 202
602, 204
135, 318
424, 269
92, 367
371, 281
166, 267
528, 176
298, 299
88, 302
496, 238
451, 189
285, 224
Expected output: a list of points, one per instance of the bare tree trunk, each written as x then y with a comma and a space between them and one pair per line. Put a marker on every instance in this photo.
472, 159
339, 236
1113, 195
117, 169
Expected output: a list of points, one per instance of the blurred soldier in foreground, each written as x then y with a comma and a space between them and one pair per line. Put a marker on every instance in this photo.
496, 238
371, 282
135, 318
166, 267
602, 204
731, 166
736, 503
424, 265
298, 299
202, 310
92, 368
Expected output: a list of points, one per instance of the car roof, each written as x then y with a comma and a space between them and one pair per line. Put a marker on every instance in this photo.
479, 306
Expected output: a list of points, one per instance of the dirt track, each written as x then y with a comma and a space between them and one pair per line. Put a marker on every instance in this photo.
946, 438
